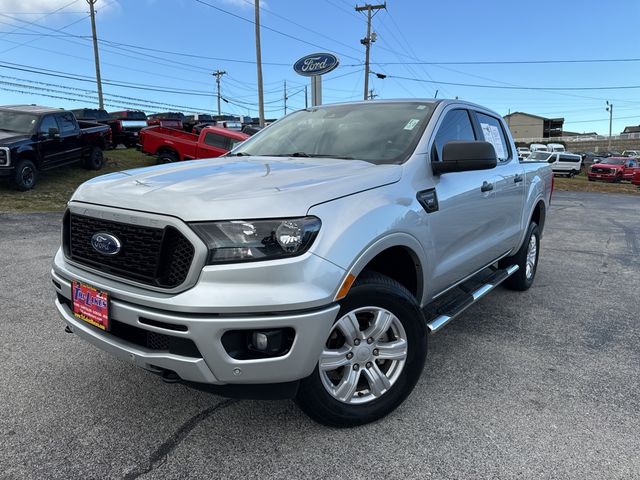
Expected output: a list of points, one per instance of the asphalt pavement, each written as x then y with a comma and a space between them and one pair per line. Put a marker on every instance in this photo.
541, 384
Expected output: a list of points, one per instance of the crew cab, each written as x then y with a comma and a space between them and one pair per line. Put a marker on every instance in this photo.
171, 145
35, 138
126, 126
311, 261
613, 169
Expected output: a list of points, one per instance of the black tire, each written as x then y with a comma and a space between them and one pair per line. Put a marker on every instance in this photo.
25, 175
95, 159
371, 290
520, 281
167, 157
572, 173
592, 179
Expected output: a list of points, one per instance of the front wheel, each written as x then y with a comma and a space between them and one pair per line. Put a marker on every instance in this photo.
527, 260
25, 175
372, 358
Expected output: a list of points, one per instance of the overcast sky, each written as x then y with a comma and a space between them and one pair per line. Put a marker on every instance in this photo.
157, 47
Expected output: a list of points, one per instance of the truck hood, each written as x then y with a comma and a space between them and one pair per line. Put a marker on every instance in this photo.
236, 188
9, 138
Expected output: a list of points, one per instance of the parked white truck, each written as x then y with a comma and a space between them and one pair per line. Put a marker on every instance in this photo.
313, 260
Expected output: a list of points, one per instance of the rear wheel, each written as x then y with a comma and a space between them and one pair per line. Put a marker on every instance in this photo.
572, 173
372, 358
527, 260
25, 175
95, 160
167, 157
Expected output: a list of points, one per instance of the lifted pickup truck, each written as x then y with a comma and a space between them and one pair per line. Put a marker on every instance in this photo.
172, 145
34, 138
313, 260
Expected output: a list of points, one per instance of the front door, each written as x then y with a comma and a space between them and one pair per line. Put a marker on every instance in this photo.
461, 232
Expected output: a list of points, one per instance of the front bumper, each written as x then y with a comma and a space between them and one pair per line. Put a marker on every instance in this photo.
214, 365
605, 177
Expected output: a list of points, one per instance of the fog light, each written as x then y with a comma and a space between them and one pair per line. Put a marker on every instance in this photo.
260, 341
270, 342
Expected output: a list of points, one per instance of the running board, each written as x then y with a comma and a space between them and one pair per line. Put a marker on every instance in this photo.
450, 309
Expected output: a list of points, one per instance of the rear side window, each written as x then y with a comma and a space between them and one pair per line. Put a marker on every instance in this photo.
569, 158
493, 133
67, 123
218, 141
456, 126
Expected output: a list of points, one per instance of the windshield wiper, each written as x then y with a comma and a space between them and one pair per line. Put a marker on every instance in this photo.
312, 155
238, 154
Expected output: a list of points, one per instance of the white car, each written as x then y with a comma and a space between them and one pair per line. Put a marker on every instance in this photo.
563, 163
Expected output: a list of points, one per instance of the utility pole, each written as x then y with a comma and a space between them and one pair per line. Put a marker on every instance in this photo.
259, 64
610, 110
95, 51
218, 74
306, 98
368, 40
285, 97
372, 95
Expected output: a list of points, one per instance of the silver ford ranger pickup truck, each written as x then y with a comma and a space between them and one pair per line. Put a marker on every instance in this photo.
313, 260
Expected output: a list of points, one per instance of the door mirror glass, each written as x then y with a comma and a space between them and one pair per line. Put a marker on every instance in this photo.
465, 156
54, 132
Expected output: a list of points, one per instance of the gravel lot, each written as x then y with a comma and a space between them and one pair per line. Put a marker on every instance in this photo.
544, 384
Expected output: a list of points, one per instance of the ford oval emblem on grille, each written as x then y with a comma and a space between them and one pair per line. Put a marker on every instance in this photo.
105, 243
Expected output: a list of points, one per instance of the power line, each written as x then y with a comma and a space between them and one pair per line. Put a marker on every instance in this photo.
292, 37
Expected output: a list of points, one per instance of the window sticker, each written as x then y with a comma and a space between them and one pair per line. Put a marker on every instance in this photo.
411, 124
492, 135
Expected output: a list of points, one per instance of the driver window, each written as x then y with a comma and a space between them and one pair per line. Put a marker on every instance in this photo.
47, 122
455, 126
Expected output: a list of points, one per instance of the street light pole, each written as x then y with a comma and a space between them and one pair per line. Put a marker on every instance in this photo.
610, 110
259, 65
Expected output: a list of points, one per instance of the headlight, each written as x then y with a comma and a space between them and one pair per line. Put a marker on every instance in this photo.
250, 240
4, 156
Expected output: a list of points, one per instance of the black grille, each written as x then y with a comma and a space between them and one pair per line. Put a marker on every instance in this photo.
155, 256
601, 170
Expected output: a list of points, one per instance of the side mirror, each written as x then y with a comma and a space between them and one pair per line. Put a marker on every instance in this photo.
464, 156
54, 133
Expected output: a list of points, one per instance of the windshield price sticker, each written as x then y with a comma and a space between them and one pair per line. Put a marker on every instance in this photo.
411, 124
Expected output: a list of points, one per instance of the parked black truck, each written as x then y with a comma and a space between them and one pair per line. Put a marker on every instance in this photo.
35, 138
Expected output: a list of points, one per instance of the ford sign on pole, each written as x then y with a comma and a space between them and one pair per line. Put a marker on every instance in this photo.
313, 66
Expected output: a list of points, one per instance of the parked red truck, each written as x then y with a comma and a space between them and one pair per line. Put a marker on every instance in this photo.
172, 145
636, 178
613, 169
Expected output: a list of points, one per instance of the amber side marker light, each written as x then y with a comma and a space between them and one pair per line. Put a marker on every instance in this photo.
346, 285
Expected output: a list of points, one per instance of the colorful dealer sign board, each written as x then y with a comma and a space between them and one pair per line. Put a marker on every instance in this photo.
316, 64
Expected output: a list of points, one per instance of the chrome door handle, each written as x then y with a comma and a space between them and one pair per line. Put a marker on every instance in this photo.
486, 186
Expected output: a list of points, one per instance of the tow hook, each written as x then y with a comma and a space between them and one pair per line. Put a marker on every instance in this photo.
170, 377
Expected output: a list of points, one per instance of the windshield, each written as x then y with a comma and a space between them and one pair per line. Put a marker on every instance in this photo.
18, 122
540, 156
615, 161
379, 133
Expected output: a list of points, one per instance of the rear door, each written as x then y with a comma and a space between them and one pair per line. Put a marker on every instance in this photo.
213, 145
70, 141
509, 184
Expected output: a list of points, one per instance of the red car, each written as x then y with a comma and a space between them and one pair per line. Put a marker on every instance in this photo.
636, 178
171, 145
613, 169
